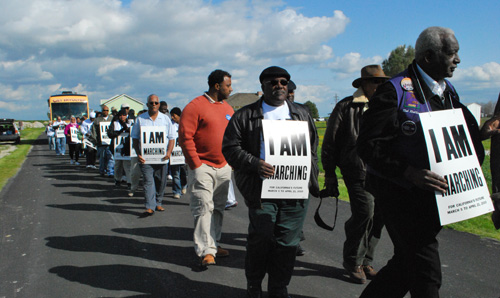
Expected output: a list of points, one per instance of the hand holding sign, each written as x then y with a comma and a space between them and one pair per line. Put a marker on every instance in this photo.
265, 170
426, 179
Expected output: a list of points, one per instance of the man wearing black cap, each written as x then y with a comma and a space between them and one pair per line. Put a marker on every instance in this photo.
275, 224
339, 150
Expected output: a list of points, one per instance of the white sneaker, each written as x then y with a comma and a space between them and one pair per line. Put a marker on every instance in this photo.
130, 193
77, 163
71, 162
184, 190
169, 177
177, 196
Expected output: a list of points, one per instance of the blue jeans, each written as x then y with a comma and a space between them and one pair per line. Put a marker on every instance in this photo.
106, 161
61, 145
52, 142
179, 179
155, 181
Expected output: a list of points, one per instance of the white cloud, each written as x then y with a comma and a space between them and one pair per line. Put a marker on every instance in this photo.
351, 63
314, 93
479, 77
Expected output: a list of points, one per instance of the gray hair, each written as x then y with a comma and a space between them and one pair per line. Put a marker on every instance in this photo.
431, 39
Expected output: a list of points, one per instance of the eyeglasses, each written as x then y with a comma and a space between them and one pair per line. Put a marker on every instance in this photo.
276, 82
105, 110
154, 103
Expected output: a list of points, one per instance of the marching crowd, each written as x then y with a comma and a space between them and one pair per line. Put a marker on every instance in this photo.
374, 137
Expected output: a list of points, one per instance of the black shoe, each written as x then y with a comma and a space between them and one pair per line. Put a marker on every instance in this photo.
254, 291
117, 183
300, 251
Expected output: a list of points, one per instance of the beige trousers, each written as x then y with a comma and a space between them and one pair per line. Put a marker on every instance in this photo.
207, 193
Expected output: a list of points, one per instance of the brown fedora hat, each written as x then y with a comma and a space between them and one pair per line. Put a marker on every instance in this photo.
369, 72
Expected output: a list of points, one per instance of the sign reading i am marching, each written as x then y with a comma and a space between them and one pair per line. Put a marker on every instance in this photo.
120, 152
177, 157
452, 155
154, 144
74, 135
288, 149
105, 140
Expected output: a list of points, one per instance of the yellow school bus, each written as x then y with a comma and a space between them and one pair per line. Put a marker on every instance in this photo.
68, 104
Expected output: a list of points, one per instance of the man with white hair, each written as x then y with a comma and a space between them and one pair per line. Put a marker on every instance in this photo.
391, 142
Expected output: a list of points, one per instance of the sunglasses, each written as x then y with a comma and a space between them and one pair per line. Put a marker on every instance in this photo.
105, 110
154, 103
276, 82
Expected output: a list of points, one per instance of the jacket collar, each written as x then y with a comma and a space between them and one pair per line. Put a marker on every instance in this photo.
359, 96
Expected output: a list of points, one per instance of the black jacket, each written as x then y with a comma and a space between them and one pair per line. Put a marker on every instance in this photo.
339, 143
241, 148
380, 126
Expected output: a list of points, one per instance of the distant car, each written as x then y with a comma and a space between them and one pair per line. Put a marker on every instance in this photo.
9, 131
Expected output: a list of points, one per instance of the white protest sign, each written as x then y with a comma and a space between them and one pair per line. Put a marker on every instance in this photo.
452, 155
60, 131
288, 149
119, 144
177, 157
132, 150
105, 140
74, 135
154, 144
88, 143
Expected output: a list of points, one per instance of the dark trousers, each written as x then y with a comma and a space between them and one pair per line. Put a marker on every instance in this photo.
74, 151
412, 221
273, 236
90, 156
361, 238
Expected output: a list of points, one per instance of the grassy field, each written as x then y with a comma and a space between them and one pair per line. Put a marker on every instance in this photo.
11, 163
480, 225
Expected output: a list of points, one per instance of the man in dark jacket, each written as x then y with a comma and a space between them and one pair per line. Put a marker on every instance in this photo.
391, 142
339, 150
275, 224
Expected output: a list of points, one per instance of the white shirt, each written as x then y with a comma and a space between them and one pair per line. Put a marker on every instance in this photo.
273, 113
145, 120
436, 87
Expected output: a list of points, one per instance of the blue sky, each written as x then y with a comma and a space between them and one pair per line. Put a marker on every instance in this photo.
107, 47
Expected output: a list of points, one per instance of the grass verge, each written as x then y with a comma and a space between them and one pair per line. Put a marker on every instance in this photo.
11, 163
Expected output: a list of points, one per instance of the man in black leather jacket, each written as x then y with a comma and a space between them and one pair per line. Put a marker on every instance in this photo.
362, 229
275, 224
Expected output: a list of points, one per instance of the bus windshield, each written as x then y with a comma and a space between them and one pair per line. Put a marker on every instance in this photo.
67, 109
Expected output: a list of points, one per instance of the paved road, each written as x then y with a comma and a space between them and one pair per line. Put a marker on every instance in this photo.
66, 232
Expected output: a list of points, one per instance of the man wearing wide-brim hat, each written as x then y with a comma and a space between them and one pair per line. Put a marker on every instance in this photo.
339, 150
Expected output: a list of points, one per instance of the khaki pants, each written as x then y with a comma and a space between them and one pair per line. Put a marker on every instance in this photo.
207, 192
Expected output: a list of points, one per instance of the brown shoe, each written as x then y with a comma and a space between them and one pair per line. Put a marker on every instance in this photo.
356, 273
208, 260
369, 271
160, 208
149, 212
221, 253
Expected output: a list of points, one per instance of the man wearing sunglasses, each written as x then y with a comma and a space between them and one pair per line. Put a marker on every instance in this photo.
275, 224
339, 150
155, 175
106, 161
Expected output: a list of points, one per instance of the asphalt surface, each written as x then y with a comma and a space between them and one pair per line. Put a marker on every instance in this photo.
66, 232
